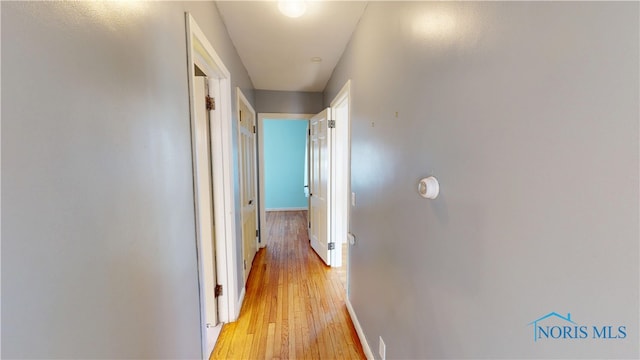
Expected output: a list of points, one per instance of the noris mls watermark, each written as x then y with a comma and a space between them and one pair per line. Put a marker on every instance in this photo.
554, 326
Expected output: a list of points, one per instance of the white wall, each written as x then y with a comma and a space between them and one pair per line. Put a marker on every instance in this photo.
98, 240
528, 115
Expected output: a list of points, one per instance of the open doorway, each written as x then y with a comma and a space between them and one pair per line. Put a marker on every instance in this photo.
285, 163
330, 184
342, 199
328, 146
282, 143
210, 117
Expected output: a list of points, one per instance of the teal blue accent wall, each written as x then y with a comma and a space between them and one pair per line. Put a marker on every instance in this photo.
284, 155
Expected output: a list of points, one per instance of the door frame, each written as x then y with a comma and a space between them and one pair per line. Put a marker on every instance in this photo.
261, 190
340, 181
241, 98
200, 52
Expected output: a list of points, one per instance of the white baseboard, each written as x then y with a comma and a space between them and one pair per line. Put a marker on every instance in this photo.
363, 339
240, 301
212, 337
288, 209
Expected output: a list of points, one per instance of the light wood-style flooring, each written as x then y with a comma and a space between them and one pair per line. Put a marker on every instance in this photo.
294, 307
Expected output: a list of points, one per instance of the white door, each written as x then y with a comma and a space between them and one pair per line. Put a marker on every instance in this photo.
320, 176
248, 193
204, 210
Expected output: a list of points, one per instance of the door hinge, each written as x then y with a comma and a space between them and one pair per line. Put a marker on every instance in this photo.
309, 131
218, 290
254, 129
245, 264
309, 224
211, 103
257, 232
331, 246
332, 124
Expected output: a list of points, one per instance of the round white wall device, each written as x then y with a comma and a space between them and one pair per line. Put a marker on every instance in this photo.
429, 188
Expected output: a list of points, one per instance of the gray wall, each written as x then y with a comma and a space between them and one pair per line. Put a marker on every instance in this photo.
295, 102
98, 240
527, 113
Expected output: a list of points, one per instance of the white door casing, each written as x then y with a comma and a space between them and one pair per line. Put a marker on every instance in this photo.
340, 187
201, 53
248, 179
320, 199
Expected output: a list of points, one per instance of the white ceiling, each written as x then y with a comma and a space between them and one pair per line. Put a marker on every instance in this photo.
277, 50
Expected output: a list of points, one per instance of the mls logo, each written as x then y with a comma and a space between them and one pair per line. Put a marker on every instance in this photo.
557, 326
562, 327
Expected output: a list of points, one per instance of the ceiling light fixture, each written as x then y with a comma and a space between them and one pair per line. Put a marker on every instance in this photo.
316, 59
292, 8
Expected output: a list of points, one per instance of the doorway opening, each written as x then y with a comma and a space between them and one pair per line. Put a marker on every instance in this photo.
210, 119
342, 199
325, 178
282, 144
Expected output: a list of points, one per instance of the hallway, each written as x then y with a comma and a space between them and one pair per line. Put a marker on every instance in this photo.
294, 306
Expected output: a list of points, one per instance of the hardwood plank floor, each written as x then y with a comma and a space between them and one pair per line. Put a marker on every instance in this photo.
294, 306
